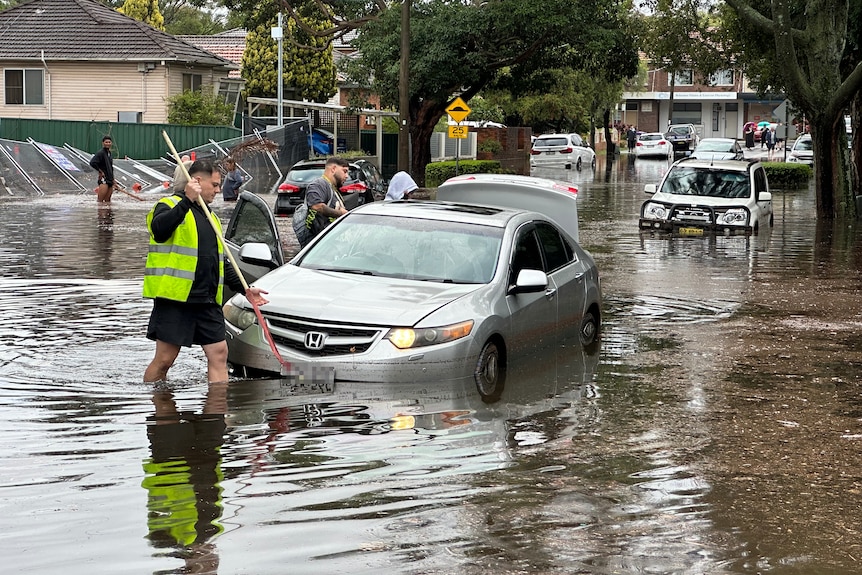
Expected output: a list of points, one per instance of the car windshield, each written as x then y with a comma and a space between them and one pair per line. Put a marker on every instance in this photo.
805, 145
543, 142
713, 146
305, 174
709, 182
412, 248
651, 137
679, 130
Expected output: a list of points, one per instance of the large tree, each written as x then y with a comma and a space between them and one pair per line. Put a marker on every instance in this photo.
806, 56
146, 11
457, 49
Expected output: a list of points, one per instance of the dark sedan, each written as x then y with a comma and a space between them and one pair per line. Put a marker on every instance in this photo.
364, 184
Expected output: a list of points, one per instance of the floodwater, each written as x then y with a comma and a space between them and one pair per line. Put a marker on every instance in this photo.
717, 430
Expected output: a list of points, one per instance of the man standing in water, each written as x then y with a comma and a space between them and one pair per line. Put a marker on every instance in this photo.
185, 276
103, 162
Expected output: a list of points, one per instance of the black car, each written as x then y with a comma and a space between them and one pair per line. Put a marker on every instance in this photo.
364, 184
683, 137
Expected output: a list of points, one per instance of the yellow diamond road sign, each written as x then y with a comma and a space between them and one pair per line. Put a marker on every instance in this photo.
458, 110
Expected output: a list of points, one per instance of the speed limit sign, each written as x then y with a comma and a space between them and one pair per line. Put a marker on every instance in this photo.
458, 131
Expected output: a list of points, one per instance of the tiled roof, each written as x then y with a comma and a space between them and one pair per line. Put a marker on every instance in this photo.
229, 45
88, 30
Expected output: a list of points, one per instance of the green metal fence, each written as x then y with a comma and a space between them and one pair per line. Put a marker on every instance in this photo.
138, 141
368, 141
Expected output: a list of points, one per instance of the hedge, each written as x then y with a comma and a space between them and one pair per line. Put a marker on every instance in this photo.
438, 172
787, 175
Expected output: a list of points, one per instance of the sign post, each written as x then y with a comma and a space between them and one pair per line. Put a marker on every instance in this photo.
458, 110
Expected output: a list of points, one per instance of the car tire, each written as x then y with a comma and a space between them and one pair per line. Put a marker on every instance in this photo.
589, 329
578, 165
490, 373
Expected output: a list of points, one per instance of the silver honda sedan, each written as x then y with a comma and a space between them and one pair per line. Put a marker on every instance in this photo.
422, 291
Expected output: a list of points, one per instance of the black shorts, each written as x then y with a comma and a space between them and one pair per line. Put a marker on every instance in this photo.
186, 324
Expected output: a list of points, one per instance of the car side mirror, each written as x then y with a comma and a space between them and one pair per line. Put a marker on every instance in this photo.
530, 281
650, 189
764, 197
258, 254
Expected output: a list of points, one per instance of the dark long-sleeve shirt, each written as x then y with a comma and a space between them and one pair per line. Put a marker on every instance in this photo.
103, 162
205, 285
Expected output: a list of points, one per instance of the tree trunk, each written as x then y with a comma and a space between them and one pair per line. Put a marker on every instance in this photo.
834, 198
856, 147
611, 148
424, 116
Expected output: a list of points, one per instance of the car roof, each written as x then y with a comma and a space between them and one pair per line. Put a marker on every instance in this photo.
651, 134
557, 135
722, 140
729, 165
442, 211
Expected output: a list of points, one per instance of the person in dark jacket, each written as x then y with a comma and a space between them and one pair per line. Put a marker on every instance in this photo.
185, 275
103, 162
232, 180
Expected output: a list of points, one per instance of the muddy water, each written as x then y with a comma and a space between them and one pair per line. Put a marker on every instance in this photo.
716, 431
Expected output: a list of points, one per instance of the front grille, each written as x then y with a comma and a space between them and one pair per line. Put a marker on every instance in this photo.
693, 214
341, 339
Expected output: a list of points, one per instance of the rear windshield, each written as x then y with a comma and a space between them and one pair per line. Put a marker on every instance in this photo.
714, 146
546, 142
679, 130
651, 137
708, 182
305, 174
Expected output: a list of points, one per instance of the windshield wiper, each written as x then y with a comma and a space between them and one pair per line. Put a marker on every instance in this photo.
347, 271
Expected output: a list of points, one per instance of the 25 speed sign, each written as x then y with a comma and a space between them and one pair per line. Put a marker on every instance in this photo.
458, 131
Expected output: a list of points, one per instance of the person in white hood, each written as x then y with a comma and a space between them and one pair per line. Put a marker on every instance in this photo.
400, 186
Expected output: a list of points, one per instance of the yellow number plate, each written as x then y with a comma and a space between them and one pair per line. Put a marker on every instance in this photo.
690, 231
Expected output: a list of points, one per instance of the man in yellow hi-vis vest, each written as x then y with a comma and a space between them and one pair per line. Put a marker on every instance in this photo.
185, 275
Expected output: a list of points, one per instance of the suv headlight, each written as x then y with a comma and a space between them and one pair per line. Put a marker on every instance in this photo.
734, 216
655, 211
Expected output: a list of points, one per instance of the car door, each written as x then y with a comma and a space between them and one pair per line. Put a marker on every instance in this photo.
568, 275
252, 221
533, 316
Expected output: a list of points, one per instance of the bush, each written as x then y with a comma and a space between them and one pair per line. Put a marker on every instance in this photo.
490, 145
199, 108
787, 175
438, 172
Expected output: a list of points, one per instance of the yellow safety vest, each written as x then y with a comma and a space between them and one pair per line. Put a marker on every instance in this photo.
171, 265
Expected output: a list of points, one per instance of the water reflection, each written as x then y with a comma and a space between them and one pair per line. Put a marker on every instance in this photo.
183, 477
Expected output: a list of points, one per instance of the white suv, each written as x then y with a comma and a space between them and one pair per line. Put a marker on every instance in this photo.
568, 150
697, 196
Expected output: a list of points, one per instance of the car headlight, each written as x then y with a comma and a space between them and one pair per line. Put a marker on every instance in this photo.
407, 337
734, 216
240, 317
655, 211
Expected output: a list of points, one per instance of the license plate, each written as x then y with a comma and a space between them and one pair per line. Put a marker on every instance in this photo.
691, 231
306, 373
548, 152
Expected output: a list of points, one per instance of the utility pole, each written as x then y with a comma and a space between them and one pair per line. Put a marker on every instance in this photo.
278, 34
404, 91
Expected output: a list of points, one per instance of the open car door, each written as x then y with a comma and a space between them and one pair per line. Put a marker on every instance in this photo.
253, 222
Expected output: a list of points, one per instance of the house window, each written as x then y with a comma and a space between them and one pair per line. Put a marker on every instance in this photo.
721, 78
631, 106
683, 78
687, 113
24, 87
192, 82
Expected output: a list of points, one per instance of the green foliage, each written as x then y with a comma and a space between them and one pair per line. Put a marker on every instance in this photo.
191, 20
310, 73
146, 11
438, 172
490, 145
199, 109
787, 175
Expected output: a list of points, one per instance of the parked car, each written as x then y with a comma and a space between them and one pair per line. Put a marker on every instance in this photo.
653, 144
683, 137
718, 149
567, 150
422, 292
364, 184
698, 196
802, 151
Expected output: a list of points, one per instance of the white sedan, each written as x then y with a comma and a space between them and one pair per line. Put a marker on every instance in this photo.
653, 144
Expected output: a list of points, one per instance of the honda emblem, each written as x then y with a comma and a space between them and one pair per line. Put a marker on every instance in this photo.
315, 340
